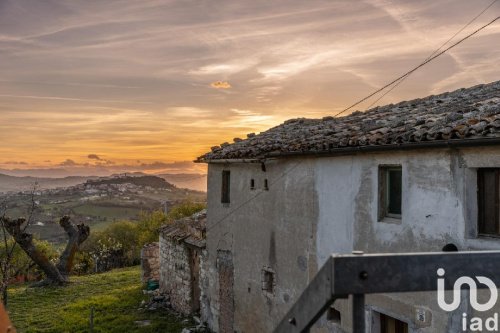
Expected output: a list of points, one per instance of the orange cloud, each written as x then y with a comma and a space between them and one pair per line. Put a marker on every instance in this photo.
220, 85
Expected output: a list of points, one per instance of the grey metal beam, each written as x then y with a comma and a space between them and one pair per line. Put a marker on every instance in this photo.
344, 275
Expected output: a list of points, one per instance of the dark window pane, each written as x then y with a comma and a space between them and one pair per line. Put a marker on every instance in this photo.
394, 191
226, 181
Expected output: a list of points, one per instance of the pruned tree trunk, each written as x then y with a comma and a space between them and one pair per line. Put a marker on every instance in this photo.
56, 274
77, 235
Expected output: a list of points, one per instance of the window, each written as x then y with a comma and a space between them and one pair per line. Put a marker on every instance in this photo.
390, 191
333, 315
252, 184
226, 182
266, 185
392, 325
488, 201
268, 281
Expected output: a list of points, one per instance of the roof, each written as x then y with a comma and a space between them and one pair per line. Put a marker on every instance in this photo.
191, 230
472, 113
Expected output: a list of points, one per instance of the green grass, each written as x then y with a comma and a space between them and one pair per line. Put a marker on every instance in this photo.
115, 296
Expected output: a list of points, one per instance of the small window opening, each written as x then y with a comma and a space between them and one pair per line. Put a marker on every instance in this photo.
268, 281
226, 182
266, 185
333, 315
488, 201
392, 325
252, 184
450, 248
390, 191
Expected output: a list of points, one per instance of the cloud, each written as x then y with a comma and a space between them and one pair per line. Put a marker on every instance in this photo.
220, 85
16, 162
68, 162
94, 157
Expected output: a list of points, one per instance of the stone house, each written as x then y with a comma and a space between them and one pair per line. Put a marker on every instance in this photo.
181, 252
408, 177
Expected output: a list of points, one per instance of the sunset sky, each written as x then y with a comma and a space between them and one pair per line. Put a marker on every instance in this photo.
150, 85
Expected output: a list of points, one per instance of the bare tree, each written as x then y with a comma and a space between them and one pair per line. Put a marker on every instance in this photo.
14, 233
55, 274
8, 246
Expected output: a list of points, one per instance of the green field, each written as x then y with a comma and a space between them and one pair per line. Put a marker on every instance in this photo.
107, 212
115, 296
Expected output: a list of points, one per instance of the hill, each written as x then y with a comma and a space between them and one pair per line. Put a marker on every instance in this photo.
150, 181
194, 181
18, 184
97, 202
12, 183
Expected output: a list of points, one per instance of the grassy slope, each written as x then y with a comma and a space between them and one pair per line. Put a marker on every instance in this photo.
115, 295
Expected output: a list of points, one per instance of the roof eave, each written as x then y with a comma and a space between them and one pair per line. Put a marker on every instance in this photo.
370, 148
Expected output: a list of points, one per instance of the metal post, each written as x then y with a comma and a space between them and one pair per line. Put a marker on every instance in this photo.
91, 320
358, 313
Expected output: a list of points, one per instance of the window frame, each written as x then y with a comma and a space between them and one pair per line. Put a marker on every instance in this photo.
384, 192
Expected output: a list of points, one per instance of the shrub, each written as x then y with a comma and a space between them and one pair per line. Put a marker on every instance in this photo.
121, 242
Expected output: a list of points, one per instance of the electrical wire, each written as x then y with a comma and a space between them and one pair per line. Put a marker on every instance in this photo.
433, 53
418, 67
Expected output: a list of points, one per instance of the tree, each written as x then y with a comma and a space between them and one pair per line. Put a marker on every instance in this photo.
7, 265
55, 274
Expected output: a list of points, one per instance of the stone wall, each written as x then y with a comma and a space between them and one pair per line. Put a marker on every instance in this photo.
150, 262
175, 275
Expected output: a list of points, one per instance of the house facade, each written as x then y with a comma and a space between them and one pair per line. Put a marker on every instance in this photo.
417, 176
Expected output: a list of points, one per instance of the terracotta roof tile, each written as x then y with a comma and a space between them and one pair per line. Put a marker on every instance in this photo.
465, 113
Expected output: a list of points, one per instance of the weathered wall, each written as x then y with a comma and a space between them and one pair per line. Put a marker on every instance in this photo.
329, 205
175, 275
438, 207
274, 230
150, 262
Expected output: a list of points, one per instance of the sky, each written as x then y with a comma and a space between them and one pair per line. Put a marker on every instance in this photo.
88, 87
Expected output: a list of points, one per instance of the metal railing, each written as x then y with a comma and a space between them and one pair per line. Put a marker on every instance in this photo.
358, 275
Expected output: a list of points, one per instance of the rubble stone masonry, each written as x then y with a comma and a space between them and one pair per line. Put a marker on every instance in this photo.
150, 262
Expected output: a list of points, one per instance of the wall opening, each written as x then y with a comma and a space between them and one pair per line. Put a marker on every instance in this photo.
390, 191
488, 201
268, 281
389, 324
226, 187
252, 184
226, 292
333, 315
266, 185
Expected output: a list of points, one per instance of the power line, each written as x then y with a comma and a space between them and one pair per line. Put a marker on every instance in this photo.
419, 66
437, 50
286, 172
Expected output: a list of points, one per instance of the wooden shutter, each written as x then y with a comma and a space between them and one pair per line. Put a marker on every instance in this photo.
488, 201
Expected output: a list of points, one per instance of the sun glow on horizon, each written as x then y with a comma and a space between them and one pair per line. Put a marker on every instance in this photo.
156, 84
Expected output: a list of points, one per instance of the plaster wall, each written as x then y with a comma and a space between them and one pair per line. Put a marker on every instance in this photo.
318, 206
263, 229
439, 206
